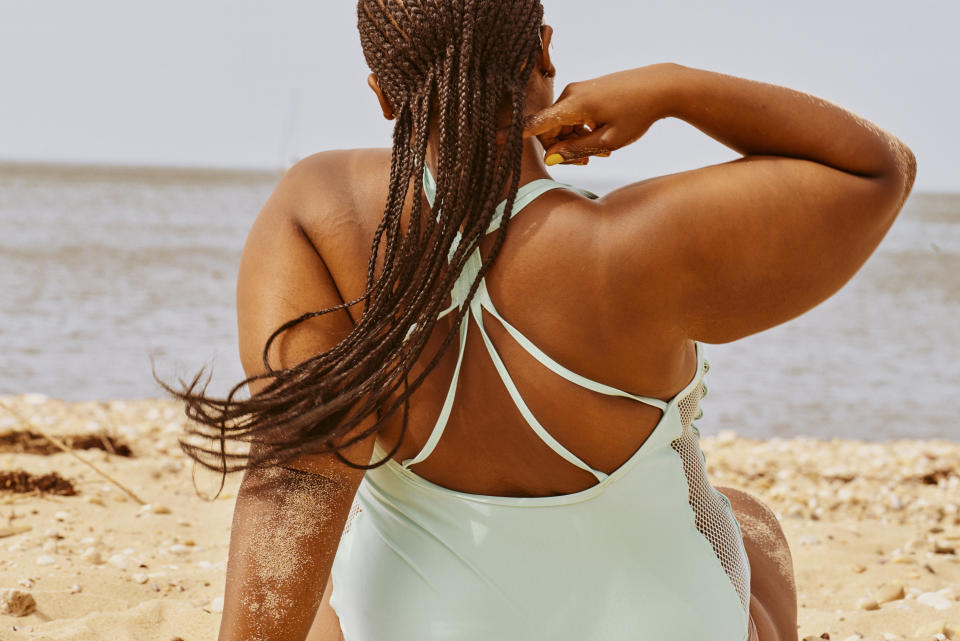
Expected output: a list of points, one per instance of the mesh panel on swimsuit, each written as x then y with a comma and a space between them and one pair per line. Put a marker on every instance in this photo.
713, 516
354, 510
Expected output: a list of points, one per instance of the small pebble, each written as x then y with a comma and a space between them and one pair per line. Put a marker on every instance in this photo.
92, 555
75, 588
151, 508
868, 604
216, 605
943, 547
935, 600
890, 592
16, 603
140, 578
120, 561
931, 629
857, 568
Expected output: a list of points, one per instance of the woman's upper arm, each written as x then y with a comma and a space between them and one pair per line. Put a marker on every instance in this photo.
752, 243
281, 277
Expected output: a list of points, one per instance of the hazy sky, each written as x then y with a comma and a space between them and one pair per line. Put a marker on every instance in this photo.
256, 84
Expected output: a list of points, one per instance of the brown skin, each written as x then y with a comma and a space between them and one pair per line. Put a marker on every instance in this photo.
712, 254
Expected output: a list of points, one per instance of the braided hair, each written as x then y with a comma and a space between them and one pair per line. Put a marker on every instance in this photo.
455, 61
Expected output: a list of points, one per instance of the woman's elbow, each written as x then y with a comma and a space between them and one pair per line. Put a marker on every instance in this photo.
903, 171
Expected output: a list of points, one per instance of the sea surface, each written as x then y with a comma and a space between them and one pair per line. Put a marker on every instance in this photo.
105, 273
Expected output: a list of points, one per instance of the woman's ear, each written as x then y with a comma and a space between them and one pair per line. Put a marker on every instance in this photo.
546, 64
385, 105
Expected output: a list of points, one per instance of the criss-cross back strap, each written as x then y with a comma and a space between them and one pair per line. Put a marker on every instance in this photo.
482, 301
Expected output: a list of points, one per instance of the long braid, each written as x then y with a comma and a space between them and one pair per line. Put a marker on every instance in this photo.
456, 60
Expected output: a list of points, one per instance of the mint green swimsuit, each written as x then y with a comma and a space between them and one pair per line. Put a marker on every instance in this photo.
652, 551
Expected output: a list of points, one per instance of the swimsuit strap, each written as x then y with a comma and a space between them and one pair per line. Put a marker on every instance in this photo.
481, 301
526, 194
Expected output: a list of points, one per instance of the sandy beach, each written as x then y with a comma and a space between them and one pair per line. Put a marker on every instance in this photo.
874, 528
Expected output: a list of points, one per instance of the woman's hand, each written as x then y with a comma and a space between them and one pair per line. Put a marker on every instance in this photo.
596, 117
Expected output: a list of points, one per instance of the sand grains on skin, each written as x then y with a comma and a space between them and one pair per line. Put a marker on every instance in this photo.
304, 512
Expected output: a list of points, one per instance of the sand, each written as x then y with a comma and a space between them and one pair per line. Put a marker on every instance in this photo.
874, 529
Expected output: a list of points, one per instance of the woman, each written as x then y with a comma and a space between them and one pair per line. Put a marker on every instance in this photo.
543, 479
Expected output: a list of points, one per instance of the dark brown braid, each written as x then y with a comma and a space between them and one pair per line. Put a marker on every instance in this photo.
455, 60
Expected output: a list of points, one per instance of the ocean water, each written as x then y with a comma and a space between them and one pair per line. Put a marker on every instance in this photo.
100, 272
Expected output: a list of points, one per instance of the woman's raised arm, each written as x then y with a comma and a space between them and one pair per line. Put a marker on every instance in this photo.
748, 244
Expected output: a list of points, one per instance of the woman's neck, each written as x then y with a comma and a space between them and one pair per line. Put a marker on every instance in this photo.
532, 166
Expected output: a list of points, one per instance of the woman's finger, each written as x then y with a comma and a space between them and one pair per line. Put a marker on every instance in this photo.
577, 131
579, 147
549, 136
551, 118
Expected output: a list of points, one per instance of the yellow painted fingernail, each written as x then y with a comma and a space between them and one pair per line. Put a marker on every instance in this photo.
554, 159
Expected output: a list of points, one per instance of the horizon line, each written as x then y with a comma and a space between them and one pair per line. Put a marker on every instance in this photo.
211, 171
169, 169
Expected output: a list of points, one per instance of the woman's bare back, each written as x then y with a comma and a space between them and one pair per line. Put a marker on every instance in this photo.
556, 284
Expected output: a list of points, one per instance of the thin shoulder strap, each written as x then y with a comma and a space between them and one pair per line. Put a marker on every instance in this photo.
526, 194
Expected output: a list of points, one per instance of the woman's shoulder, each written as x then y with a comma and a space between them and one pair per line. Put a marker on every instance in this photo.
340, 160
335, 179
